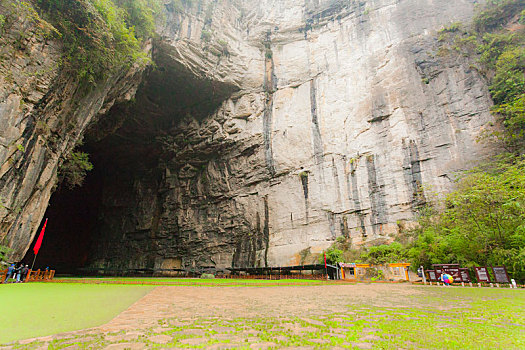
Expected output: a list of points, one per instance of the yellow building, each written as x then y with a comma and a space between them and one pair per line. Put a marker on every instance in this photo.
360, 272
399, 271
353, 271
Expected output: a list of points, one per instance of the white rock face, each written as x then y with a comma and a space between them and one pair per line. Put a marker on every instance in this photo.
342, 112
355, 113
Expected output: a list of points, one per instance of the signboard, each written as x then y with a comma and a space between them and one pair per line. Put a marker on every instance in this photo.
483, 274
465, 277
441, 267
347, 264
432, 275
454, 272
500, 274
445, 266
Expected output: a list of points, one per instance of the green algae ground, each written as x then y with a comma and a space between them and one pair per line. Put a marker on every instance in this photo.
38, 309
202, 282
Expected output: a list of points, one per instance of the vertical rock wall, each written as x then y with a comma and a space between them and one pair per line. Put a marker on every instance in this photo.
344, 114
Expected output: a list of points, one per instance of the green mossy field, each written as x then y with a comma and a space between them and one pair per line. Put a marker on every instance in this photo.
39, 309
205, 282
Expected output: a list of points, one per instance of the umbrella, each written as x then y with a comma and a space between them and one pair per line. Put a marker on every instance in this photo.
447, 278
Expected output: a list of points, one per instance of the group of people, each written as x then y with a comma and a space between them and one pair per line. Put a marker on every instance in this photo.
19, 273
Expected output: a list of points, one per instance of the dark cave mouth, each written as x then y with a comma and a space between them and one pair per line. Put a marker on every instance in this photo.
126, 144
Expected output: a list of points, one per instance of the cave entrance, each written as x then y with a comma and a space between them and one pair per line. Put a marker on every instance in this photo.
121, 196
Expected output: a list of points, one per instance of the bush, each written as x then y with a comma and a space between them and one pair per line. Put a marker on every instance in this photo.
385, 254
333, 256
376, 274
454, 27
75, 168
207, 275
206, 35
497, 13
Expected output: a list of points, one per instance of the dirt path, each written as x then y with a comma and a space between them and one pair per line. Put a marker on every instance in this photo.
230, 302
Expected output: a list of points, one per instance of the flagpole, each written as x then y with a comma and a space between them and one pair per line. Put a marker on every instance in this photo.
33, 262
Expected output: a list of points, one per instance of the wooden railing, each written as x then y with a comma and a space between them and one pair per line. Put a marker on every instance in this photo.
40, 275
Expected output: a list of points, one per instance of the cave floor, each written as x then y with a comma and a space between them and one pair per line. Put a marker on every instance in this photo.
360, 316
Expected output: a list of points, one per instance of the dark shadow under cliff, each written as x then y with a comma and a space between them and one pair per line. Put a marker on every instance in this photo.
127, 146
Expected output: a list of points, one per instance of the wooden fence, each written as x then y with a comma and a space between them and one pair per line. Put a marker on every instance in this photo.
275, 276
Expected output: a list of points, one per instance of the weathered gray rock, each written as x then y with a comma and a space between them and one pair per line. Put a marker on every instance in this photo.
41, 118
268, 128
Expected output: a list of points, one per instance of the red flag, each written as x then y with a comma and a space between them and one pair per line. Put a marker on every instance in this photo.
324, 259
38, 243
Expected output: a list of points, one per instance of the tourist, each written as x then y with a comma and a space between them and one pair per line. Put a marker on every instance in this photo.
446, 279
25, 271
18, 272
10, 272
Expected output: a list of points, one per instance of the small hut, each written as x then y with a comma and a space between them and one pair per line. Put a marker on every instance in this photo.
399, 271
353, 271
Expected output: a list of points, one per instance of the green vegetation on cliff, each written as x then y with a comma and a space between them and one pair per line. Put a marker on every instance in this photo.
4, 251
75, 168
498, 40
100, 36
483, 221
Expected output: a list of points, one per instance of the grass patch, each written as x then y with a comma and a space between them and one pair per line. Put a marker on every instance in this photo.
39, 309
216, 282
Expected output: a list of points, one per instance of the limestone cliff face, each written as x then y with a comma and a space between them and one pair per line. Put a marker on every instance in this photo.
42, 118
267, 128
